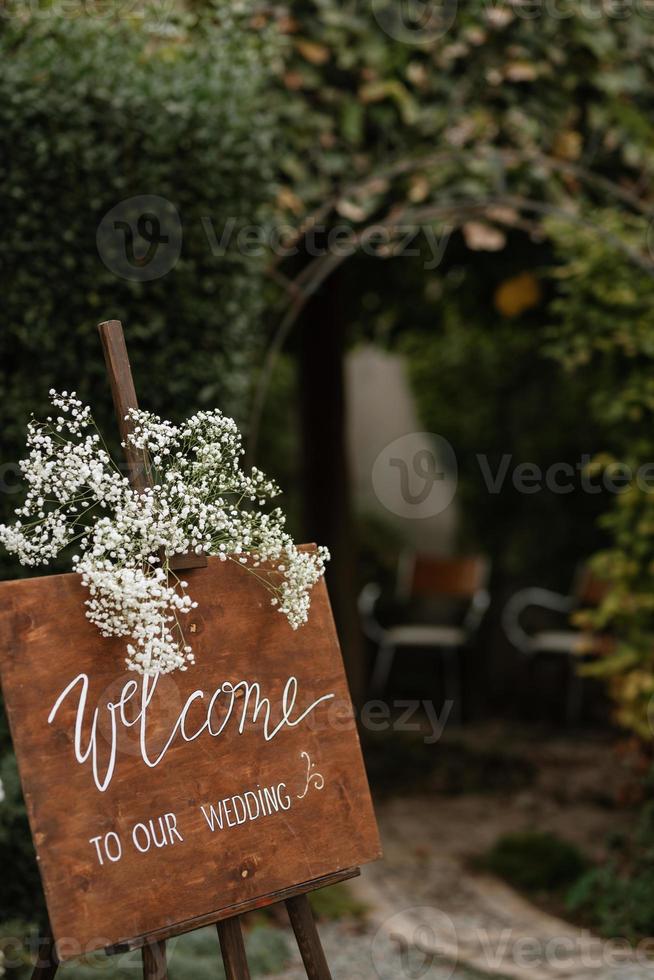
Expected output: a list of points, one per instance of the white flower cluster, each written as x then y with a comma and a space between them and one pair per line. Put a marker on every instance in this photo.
200, 500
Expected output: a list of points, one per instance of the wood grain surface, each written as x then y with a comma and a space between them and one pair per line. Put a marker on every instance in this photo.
123, 393
124, 397
202, 738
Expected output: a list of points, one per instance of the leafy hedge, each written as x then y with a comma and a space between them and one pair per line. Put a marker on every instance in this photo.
374, 83
617, 898
603, 332
92, 115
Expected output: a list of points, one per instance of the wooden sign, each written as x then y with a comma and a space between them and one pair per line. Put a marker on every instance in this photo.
168, 802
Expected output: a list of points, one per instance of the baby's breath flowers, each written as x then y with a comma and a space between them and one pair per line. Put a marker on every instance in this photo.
200, 500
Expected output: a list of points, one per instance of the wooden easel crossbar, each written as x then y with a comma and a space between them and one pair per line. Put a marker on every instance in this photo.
227, 921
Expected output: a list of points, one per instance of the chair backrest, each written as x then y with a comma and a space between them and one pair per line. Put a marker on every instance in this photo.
427, 576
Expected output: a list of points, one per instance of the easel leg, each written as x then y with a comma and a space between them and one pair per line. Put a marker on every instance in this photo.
233, 949
47, 963
308, 940
155, 966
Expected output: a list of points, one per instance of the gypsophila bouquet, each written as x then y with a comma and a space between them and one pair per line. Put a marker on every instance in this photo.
200, 500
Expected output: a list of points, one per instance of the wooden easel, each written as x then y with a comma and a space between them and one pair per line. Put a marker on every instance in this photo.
227, 922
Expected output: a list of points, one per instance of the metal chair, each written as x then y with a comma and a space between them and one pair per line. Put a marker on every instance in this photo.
462, 582
573, 644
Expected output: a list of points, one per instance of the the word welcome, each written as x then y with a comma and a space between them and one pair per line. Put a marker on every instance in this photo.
240, 702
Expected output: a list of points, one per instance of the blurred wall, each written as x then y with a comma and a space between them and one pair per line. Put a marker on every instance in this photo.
399, 473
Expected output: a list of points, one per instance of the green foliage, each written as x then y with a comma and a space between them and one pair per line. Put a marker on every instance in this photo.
535, 861
17, 939
195, 956
336, 902
616, 905
617, 899
481, 380
21, 894
94, 116
444, 101
604, 332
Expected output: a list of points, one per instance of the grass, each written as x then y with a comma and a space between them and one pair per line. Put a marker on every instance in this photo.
336, 902
196, 956
535, 861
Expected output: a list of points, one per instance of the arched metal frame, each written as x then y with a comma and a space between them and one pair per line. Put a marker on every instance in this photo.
456, 212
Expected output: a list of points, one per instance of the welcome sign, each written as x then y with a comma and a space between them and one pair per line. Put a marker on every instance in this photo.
155, 801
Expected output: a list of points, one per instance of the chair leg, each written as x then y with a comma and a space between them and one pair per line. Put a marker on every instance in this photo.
452, 681
382, 669
574, 697
533, 705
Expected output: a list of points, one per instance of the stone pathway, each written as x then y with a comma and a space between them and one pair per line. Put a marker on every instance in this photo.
356, 955
432, 917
